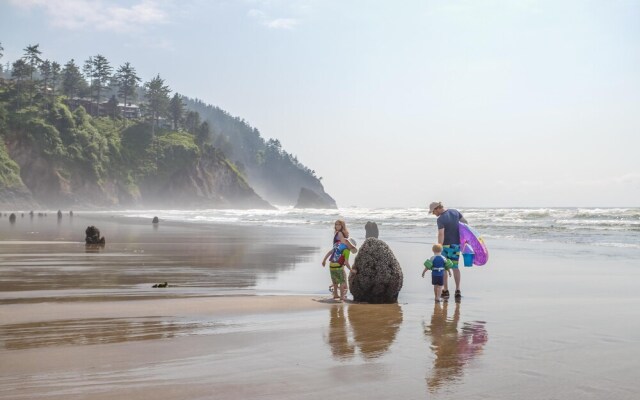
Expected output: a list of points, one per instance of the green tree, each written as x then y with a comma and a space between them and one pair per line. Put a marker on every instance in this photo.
112, 107
33, 60
192, 122
32, 57
101, 73
203, 134
72, 81
176, 110
127, 82
45, 75
55, 77
20, 70
1, 54
157, 95
87, 70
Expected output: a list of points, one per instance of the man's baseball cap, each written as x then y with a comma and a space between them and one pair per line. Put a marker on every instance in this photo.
434, 205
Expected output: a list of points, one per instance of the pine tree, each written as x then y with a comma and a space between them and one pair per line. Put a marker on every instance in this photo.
157, 95
32, 57
127, 81
176, 109
72, 81
33, 60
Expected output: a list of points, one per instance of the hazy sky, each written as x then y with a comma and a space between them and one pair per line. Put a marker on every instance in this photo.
393, 103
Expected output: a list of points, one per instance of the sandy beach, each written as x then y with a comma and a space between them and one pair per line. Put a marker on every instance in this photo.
247, 315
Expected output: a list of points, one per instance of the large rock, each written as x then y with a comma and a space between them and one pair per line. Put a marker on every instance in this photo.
379, 276
310, 199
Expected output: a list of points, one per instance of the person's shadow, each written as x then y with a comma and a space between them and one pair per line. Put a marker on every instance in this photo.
374, 328
453, 347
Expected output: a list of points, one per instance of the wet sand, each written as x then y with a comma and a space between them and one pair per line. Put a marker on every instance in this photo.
247, 315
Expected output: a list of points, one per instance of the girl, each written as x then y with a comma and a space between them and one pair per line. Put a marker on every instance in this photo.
340, 236
341, 232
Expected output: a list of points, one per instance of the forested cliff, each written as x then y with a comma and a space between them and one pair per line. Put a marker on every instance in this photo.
100, 139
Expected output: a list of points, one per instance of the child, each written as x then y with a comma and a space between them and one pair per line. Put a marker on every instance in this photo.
437, 264
340, 233
340, 258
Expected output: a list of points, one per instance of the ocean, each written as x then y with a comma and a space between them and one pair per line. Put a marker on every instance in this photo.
606, 228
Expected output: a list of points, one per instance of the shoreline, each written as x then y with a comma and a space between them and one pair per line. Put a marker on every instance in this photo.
211, 306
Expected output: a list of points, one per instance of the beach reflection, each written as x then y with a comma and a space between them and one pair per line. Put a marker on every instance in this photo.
453, 347
89, 331
93, 248
338, 337
190, 257
373, 328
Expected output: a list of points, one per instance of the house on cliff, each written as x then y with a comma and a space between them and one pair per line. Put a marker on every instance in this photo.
129, 110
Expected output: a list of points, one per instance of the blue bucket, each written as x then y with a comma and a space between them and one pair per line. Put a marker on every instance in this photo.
468, 259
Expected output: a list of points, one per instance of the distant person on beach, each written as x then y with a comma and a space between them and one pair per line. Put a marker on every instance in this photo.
437, 265
338, 259
449, 238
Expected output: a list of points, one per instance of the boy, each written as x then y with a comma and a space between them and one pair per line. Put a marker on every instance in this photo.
437, 265
340, 258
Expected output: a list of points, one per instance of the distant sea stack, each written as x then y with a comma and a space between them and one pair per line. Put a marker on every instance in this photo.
310, 199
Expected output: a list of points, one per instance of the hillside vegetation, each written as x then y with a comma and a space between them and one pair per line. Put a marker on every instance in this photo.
64, 144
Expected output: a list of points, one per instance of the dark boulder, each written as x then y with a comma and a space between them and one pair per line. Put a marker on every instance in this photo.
12, 218
155, 220
93, 236
378, 278
371, 230
310, 199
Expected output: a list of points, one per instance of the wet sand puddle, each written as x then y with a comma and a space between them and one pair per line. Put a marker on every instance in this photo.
97, 331
185, 261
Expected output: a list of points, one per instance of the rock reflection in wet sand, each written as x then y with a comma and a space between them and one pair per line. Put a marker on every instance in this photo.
453, 347
373, 328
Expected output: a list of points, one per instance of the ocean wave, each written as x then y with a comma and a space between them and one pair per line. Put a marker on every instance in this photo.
613, 227
611, 213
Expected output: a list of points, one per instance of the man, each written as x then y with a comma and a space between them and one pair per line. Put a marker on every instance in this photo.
449, 238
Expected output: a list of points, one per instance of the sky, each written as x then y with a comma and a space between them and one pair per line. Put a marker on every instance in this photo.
476, 103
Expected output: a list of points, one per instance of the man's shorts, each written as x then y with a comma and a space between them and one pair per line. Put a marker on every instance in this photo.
437, 280
337, 275
452, 252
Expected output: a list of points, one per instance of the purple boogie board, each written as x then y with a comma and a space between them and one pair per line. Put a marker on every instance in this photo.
475, 241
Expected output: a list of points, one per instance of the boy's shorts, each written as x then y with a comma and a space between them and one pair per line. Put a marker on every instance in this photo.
337, 275
452, 252
437, 280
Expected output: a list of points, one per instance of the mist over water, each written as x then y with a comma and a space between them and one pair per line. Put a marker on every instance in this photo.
603, 227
